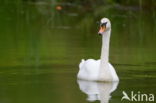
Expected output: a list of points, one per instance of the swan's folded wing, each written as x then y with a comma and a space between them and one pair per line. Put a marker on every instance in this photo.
81, 63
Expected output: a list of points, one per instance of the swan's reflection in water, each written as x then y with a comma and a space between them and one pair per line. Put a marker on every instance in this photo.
97, 90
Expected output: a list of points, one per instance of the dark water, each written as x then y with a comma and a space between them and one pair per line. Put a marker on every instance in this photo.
41, 45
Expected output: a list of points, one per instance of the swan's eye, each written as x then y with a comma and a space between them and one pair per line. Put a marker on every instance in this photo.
103, 24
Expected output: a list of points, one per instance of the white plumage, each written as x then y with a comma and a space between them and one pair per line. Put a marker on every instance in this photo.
99, 70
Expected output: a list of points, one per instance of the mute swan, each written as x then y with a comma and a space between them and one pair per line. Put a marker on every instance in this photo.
99, 70
97, 90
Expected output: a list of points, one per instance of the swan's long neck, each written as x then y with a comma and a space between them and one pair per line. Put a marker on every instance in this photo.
104, 72
105, 47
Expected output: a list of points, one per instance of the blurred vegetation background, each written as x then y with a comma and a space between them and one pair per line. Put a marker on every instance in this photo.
45, 32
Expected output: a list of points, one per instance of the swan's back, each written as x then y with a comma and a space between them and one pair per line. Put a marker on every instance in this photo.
89, 69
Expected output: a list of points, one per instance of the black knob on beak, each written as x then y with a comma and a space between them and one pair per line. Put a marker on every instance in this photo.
100, 34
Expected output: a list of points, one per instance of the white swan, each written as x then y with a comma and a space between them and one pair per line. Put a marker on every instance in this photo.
99, 70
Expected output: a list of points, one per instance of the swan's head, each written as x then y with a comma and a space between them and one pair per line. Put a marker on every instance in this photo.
105, 25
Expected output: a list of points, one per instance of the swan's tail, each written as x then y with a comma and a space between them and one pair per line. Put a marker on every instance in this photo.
81, 63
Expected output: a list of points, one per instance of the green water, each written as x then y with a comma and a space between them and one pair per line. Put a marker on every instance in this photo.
41, 47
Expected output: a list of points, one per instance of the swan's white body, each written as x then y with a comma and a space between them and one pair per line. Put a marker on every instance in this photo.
99, 70
90, 70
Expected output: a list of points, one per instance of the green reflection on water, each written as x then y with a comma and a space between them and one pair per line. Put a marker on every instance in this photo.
42, 47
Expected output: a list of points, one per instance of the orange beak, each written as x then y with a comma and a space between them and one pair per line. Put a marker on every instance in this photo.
102, 29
